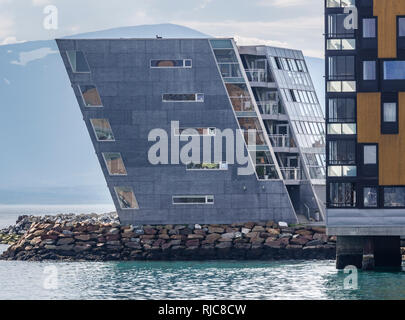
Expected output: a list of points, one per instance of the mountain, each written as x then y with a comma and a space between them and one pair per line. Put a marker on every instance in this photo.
47, 156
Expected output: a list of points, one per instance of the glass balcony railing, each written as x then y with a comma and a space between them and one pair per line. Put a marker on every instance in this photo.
242, 104
266, 171
270, 108
254, 138
291, 173
257, 75
282, 141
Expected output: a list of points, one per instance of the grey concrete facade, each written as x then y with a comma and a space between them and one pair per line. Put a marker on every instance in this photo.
131, 94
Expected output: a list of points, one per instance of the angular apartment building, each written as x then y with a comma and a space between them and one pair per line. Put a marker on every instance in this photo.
133, 91
365, 101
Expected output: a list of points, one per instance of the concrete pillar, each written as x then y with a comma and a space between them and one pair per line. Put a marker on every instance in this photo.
349, 252
368, 252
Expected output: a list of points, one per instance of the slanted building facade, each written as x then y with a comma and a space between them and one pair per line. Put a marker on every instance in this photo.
145, 100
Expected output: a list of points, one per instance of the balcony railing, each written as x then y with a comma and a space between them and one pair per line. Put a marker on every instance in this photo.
257, 75
266, 171
242, 104
291, 173
254, 138
270, 107
282, 141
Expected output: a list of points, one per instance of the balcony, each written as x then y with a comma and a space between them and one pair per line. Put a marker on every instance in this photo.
283, 143
291, 175
271, 110
267, 172
260, 78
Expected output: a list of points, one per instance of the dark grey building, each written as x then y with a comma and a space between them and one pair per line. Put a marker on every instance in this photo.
129, 90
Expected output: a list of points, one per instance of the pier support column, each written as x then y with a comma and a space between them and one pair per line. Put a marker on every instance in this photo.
368, 252
349, 252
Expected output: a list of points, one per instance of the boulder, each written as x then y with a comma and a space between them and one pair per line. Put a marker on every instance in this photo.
83, 237
215, 230
282, 224
65, 241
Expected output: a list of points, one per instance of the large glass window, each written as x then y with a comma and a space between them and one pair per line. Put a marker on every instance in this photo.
193, 200
183, 63
91, 97
394, 70
342, 195
102, 129
369, 28
390, 112
126, 198
394, 197
341, 86
336, 27
207, 166
370, 196
370, 154
369, 70
341, 67
341, 44
342, 110
114, 163
78, 62
192, 97
342, 152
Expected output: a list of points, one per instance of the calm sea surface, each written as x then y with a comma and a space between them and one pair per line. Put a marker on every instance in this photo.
186, 280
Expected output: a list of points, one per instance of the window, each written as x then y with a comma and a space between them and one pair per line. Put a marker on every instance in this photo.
342, 171
126, 198
394, 197
370, 154
115, 164
193, 97
341, 67
195, 131
184, 63
342, 128
207, 166
390, 112
102, 130
394, 70
336, 27
340, 3
342, 195
401, 27
342, 152
90, 95
369, 28
341, 86
193, 200
341, 44
369, 70
370, 196
78, 62
342, 110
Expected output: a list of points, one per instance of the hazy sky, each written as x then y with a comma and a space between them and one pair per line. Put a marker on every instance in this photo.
291, 23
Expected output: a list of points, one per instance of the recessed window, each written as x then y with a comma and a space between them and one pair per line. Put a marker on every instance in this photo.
370, 154
341, 67
370, 196
193, 97
207, 166
342, 195
390, 112
369, 28
342, 152
193, 200
126, 198
91, 97
369, 70
115, 164
102, 130
183, 63
342, 110
195, 131
394, 197
78, 62
394, 70
401, 27
336, 26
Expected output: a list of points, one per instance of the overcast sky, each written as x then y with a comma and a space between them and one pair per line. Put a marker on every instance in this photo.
289, 23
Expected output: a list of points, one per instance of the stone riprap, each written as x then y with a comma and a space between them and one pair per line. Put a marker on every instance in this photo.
99, 241
13, 233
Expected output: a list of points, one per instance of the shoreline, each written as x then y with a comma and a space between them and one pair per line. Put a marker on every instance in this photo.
102, 238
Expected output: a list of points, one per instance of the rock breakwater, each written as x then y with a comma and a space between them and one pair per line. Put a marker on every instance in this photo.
55, 239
